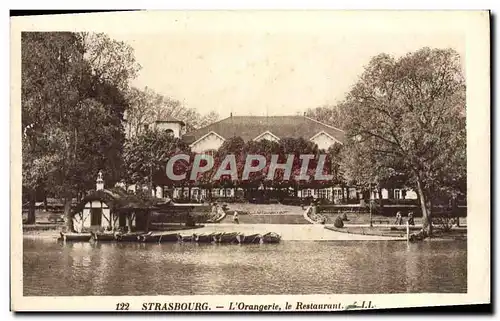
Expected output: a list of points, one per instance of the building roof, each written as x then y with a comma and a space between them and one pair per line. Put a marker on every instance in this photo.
249, 127
118, 199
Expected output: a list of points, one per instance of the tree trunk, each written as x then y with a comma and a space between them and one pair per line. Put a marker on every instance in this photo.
426, 206
67, 214
31, 208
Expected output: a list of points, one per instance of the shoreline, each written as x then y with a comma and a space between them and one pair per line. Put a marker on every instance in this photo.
454, 234
288, 232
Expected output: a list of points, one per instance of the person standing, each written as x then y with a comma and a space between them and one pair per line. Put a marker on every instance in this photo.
399, 218
236, 220
411, 220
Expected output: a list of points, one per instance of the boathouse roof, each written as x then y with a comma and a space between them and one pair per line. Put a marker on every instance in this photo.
117, 199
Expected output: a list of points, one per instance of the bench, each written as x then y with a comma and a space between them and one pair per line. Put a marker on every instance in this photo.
380, 221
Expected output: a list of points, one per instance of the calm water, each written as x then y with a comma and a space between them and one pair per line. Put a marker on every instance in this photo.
292, 267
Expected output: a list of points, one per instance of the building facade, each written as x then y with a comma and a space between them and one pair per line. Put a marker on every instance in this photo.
210, 138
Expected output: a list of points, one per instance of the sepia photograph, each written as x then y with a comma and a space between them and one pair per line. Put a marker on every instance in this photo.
203, 161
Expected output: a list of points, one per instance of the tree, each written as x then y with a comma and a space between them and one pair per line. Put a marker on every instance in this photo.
232, 146
110, 61
146, 156
334, 153
50, 63
331, 115
147, 106
406, 117
206, 120
72, 111
141, 110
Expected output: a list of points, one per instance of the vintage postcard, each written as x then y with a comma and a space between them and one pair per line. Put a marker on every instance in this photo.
250, 161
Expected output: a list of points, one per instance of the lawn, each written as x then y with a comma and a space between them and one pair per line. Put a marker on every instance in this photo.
273, 209
266, 214
364, 218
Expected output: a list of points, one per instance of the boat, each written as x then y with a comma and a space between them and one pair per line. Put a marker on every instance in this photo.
204, 238
271, 237
185, 238
172, 237
148, 238
103, 237
130, 237
228, 238
249, 239
75, 237
159, 238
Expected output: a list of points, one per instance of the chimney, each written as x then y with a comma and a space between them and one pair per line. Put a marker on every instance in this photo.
99, 182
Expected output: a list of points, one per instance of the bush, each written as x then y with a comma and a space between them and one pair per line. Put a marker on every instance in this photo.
444, 221
338, 223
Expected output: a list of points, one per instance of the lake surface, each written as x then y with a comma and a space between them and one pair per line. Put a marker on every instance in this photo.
292, 267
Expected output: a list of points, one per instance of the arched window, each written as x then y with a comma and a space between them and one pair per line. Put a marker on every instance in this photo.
169, 132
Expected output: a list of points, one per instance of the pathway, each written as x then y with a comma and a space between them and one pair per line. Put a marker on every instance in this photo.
267, 219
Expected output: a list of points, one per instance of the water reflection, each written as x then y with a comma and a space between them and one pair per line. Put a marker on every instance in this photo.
52, 268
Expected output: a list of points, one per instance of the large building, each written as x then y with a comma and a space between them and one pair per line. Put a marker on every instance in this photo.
258, 128
208, 139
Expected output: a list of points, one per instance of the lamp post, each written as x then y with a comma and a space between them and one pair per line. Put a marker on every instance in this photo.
370, 200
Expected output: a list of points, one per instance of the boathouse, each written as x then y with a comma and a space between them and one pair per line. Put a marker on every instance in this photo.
112, 209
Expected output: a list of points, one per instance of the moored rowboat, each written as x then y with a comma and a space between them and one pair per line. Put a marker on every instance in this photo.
103, 237
75, 237
204, 238
159, 238
271, 237
130, 237
149, 238
185, 238
249, 239
228, 238
172, 237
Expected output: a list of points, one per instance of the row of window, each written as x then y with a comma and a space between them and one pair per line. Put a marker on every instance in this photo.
321, 193
398, 194
228, 192
203, 192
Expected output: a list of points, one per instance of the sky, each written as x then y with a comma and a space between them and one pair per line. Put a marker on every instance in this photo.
276, 67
